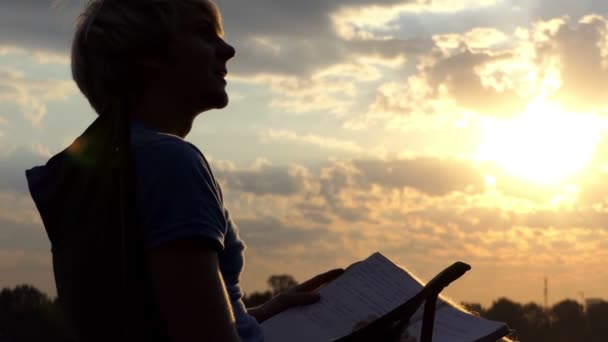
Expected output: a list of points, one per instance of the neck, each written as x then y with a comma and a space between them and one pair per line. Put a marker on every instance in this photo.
164, 114
167, 124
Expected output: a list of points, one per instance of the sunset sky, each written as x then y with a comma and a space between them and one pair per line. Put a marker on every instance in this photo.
431, 131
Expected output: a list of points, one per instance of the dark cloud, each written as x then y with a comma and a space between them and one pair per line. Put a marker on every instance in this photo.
457, 73
36, 24
265, 181
303, 29
288, 18
431, 176
342, 190
268, 233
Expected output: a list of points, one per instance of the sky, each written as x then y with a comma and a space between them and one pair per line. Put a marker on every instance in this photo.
431, 131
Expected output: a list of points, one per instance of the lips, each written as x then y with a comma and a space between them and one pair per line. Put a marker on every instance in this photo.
222, 73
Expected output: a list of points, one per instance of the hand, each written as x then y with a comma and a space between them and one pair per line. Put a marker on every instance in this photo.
404, 337
302, 294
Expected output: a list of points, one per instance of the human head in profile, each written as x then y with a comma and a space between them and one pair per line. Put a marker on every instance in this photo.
144, 247
163, 62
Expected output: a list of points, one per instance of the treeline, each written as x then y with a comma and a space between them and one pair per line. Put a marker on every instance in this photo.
566, 321
28, 315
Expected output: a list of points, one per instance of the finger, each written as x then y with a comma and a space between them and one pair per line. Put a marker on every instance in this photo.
321, 279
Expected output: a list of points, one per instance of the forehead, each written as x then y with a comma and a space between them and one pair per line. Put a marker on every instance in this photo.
197, 13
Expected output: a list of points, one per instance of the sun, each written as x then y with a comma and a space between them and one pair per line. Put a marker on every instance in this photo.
545, 144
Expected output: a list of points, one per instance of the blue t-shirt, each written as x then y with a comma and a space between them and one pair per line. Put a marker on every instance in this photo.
178, 197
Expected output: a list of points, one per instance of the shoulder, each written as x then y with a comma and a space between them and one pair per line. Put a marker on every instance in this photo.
176, 194
163, 145
173, 153
175, 166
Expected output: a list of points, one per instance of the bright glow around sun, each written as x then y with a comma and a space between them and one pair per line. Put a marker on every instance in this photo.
545, 144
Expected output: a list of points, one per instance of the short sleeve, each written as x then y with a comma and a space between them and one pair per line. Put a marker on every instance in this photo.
176, 195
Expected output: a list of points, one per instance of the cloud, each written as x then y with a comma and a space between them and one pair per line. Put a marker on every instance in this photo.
12, 260
31, 95
333, 88
38, 24
320, 33
316, 140
581, 51
434, 177
424, 191
378, 21
423, 212
24, 247
307, 29
269, 234
486, 71
263, 180
35, 55
345, 191
12, 173
3, 125
423, 232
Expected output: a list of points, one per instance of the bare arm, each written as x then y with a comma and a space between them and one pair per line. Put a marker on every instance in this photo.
190, 291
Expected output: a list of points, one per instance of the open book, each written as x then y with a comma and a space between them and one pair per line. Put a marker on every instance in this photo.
374, 287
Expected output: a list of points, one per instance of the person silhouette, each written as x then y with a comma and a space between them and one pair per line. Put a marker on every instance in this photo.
143, 245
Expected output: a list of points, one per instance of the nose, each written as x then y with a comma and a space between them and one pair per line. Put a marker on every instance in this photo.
226, 51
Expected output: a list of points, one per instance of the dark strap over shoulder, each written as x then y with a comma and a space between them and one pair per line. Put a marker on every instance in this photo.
77, 194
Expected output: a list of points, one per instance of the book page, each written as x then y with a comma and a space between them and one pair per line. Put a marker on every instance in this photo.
373, 287
453, 325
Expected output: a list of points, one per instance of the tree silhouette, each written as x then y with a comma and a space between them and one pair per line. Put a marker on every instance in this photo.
569, 323
597, 316
281, 283
26, 314
536, 323
277, 283
505, 310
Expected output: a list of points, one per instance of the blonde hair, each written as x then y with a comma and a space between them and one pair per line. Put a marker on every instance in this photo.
113, 37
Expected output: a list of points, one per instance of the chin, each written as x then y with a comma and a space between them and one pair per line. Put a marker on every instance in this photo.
215, 101
222, 101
